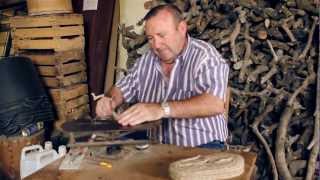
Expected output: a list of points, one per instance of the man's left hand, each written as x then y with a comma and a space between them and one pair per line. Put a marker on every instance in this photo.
140, 113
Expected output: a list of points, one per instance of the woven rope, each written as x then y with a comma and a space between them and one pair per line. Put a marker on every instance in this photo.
209, 167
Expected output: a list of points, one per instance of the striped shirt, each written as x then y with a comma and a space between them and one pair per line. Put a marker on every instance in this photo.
198, 69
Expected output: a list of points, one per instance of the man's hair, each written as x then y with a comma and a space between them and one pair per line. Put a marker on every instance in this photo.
172, 9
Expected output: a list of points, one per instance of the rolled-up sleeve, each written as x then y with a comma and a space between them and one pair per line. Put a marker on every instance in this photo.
128, 85
212, 78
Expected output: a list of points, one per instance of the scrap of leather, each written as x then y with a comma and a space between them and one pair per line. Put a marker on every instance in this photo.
87, 125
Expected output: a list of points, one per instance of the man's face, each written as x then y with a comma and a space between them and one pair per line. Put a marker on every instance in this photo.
166, 37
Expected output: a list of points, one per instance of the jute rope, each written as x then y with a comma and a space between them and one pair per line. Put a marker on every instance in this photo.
209, 167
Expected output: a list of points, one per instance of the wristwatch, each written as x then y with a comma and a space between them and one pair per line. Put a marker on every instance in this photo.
166, 109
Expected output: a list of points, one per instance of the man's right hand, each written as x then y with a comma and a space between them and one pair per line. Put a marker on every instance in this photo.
105, 106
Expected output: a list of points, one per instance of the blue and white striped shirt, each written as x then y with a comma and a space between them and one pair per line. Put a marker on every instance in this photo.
198, 69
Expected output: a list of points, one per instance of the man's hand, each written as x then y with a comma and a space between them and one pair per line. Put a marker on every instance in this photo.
104, 107
140, 113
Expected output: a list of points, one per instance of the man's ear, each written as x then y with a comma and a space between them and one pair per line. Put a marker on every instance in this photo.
183, 27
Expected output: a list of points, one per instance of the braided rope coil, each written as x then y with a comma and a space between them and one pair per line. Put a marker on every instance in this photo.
208, 167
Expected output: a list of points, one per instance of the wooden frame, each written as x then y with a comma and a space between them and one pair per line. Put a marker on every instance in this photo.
56, 32
65, 94
65, 80
71, 102
60, 69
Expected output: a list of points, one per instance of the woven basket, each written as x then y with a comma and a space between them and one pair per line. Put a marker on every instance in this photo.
10, 152
40, 7
209, 167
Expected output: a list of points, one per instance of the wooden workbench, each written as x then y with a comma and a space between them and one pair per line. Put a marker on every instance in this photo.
150, 164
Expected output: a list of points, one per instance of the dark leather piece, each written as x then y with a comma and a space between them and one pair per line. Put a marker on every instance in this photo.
87, 125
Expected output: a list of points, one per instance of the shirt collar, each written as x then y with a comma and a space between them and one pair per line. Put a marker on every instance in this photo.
186, 50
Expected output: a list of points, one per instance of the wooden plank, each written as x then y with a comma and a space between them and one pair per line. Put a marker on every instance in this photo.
49, 44
64, 94
45, 20
76, 113
47, 32
57, 82
40, 59
150, 164
71, 104
61, 69
55, 57
113, 48
72, 67
74, 103
317, 113
4, 39
41, 7
47, 70
73, 79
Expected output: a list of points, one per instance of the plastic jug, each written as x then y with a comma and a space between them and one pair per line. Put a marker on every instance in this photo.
33, 158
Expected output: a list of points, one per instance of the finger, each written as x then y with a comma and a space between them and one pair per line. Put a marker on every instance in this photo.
129, 116
126, 112
103, 107
125, 120
133, 119
136, 122
113, 104
136, 119
110, 104
99, 108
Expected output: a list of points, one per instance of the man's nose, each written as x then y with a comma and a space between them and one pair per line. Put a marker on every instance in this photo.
156, 43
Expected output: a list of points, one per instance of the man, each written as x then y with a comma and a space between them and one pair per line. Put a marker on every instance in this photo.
180, 80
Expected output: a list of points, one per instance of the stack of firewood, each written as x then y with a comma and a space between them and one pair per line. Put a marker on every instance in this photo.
272, 48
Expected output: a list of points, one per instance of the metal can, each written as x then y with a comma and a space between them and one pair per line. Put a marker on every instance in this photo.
31, 129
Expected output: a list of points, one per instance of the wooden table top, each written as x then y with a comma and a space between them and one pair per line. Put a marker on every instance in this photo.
149, 164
